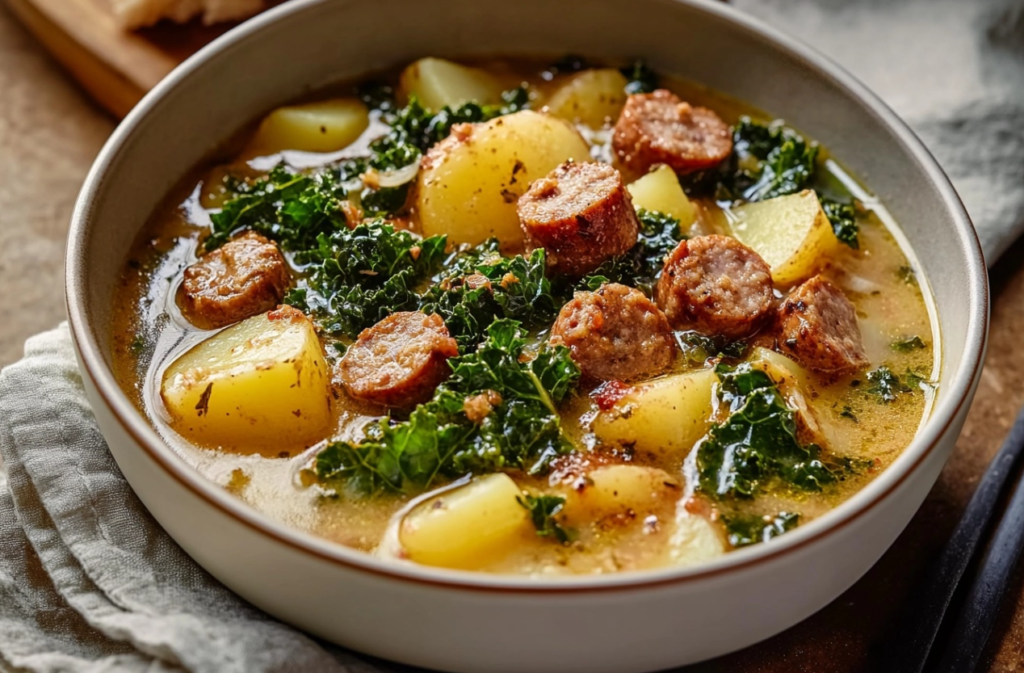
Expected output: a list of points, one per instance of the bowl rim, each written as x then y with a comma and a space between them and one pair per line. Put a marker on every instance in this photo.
948, 407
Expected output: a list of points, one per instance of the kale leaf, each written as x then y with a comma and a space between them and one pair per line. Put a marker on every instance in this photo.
758, 442
357, 277
516, 288
642, 79
843, 217
291, 208
768, 160
522, 431
641, 267
543, 509
746, 530
568, 64
415, 128
700, 348
295, 208
377, 95
907, 344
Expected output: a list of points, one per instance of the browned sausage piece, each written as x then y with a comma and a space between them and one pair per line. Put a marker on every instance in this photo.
615, 333
659, 128
581, 214
399, 361
818, 328
242, 278
715, 285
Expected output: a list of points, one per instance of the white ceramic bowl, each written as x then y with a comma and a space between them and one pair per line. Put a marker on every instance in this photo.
470, 622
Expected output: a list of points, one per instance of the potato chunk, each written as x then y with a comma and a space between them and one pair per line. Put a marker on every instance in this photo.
665, 416
621, 489
470, 182
791, 233
694, 540
467, 527
261, 384
437, 83
324, 126
592, 97
660, 190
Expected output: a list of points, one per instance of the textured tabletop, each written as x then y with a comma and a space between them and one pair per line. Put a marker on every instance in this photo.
49, 134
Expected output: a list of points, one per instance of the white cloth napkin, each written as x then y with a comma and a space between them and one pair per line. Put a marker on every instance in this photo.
952, 69
89, 582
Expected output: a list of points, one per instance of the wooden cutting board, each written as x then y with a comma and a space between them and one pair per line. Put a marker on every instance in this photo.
116, 67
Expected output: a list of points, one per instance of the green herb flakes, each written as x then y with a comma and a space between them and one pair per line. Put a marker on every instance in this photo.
543, 509
908, 344
750, 529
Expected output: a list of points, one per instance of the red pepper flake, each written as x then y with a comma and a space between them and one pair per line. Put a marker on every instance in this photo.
609, 393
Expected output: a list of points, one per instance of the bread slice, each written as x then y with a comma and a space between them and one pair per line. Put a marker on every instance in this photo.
132, 14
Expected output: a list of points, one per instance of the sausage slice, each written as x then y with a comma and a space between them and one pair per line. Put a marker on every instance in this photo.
242, 278
615, 333
399, 361
581, 214
715, 285
660, 128
818, 328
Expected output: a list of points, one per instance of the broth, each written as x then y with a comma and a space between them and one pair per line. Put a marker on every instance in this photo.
150, 332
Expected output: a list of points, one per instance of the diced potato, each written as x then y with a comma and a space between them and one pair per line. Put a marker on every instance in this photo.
792, 234
660, 190
324, 126
590, 97
262, 383
468, 188
468, 527
665, 416
437, 82
694, 540
616, 489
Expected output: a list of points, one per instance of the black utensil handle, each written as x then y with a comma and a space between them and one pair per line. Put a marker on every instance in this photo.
912, 643
970, 635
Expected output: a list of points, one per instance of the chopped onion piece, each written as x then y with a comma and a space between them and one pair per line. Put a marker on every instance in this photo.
399, 176
860, 284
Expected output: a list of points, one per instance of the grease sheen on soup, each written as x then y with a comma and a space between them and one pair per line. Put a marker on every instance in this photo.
528, 318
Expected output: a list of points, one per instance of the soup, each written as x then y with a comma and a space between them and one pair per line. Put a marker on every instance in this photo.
528, 318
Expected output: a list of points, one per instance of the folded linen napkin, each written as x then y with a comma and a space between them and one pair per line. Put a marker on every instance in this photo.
89, 582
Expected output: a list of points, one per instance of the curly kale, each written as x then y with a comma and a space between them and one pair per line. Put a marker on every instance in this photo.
521, 431
758, 442
290, 208
843, 217
641, 267
516, 288
768, 160
294, 208
642, 79
743, 530
415, 128
543, 509
357, 277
